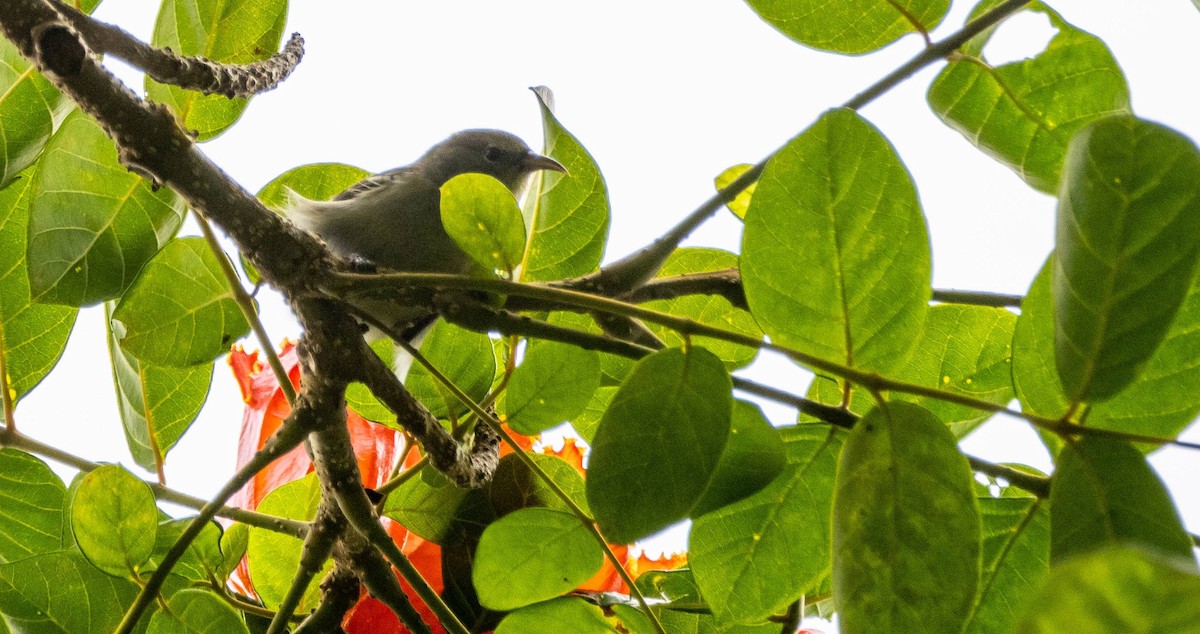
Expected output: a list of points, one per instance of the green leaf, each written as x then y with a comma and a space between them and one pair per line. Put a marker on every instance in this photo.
586, 423
712, 310
32, 501
1016, 557
906, 529
437, 510
316, 181
741, 202
181, 311
752, 458
566, 215
30, 109
200, 561
854, 26
835, 258
196, 611
1116, 591
482, 217
234, 542
465, 357
564, 614
361, 400
533, 555
667, 426
754, 557
61, 593
1023, 114
966, 350
32, 336
1127, 245
273, 557
1104, 492
115, 520
554, 382
1162, 402
515, 486
157, 403
92, 223
225, 32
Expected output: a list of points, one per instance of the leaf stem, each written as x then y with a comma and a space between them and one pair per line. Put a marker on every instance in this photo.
977, 298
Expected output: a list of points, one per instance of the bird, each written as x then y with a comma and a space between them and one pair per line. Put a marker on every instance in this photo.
392, 220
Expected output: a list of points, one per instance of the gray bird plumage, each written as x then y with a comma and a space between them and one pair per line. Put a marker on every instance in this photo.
393, 219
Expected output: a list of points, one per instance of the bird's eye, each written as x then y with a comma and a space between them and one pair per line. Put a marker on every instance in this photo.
493, 154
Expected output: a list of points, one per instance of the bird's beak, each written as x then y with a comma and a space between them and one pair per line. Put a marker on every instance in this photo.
534, 162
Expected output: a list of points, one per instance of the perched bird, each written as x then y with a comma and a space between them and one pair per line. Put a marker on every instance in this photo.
393, 219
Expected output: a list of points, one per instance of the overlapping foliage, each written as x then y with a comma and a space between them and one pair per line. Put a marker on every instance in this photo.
873, 513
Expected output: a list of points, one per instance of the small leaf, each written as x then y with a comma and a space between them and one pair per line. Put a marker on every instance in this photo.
904, 492
754, 557
567, 215
1127, 243
360, 399
532, 555
61, 592
229, 33
1023, 114
854, 26
437, 510
157, 403
565, 614
202, 558
195, 611
274, 557
741, 202
1103, 493
554, 382
466, 358
1116, 591
835, 259
92, 223
752, 457
30, 110
115, 520
31, 507
666, 425
234, 542
482, 217
515, 486
181, 311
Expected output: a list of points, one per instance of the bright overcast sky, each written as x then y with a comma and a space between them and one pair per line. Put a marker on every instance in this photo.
665, 95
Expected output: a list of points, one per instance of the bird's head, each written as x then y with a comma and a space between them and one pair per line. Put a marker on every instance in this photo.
496, 153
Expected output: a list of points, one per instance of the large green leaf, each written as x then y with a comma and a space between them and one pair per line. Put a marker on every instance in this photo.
755, 556
566, 215
181, 311
61, 593
906, 528
835, 258
966, 350
226, 32
532, 555
1023, 114
554, 382
273, 557
196, 611
753, 456
659, 442
32, 502
92, 223
713, 310
32, 336
30, 109
481, 216
1128, 240
157, 403
115, 520
853, 26
1117, 591
1162, 402
1104, 493
1016, 557
465, 357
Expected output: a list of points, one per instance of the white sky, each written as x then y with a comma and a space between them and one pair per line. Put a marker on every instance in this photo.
665, 95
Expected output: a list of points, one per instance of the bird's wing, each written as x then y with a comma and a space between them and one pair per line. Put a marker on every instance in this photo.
372, 182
